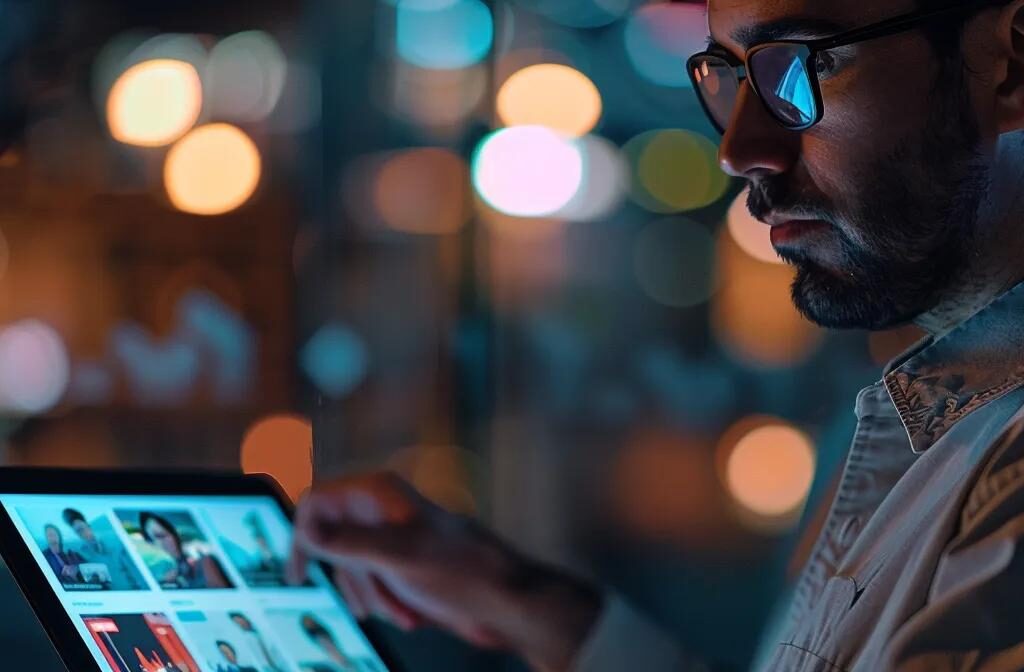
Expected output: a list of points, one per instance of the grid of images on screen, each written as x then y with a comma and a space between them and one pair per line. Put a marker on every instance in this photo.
86, 549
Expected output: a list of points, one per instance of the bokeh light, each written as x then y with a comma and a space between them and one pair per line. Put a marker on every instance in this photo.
752, 313
335, 359
212, 170
34, 367
439, 472
605, 181
767, 467
423, 191
445, 36
580, 13
752, 236
527, 171
674, 262
156, 372
436, 99
660, 37
281, 446
244, 76
674, 171
175, 46
552, 95
663, 487
154, 102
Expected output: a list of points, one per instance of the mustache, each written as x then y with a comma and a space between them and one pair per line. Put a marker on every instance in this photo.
773, 194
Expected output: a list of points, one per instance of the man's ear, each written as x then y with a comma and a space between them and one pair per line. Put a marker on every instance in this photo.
1009, 103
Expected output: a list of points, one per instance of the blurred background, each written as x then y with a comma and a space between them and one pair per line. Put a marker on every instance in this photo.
485, 243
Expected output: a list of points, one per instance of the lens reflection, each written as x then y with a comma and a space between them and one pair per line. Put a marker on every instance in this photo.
784, 83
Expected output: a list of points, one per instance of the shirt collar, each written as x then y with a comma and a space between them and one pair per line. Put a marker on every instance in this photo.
937, 383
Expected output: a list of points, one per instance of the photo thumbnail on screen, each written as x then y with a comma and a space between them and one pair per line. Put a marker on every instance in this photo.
324, 641
82, 548
174, 549
231, 642
255, 543
140, 643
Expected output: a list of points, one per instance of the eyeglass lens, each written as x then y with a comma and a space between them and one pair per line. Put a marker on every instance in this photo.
781, 78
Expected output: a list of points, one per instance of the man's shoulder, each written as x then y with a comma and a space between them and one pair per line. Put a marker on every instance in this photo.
997, 495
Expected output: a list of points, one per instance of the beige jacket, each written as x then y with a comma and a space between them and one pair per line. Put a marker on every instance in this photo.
920, 563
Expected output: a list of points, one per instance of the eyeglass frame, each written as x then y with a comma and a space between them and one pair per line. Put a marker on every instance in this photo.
810, 49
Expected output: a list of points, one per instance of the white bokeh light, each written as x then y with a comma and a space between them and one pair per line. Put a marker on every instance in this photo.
527, 171
34, 367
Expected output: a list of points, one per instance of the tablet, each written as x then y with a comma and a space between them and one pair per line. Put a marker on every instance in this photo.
159, 572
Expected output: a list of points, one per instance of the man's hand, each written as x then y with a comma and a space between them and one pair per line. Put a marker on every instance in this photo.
399, 556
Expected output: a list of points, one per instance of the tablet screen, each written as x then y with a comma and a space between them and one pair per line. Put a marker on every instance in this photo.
187, 584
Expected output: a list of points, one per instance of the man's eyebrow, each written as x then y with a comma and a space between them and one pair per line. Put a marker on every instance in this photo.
785, 28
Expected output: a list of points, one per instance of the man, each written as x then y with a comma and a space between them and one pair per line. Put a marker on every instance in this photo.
228, 653
257, 645
889, 165
64, 563
104, 549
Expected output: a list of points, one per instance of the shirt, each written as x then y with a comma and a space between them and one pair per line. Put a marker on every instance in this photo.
920, 563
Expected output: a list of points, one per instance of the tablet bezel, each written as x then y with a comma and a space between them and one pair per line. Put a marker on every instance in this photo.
29, 576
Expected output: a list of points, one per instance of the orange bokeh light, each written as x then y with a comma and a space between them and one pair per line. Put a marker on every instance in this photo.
281, 446
212, 170
424, 191
752, 313
767, 467
552, 95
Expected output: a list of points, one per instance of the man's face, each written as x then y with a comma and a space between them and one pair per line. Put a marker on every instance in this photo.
894, 173
83, 530
228, 653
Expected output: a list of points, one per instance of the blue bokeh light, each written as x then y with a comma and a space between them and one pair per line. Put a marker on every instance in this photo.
335, 359
451, 37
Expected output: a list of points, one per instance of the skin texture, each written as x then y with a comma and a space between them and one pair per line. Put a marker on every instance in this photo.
53, 539
915, 168
84, 531
163, 538
909, 167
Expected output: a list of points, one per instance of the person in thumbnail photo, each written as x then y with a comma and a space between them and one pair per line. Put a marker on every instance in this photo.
257, 643
253, 549
174, 550
98, 545
140, 643
326, 642
230, 655
66, 564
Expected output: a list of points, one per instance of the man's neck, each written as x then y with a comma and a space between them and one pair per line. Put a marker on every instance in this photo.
995, 266
969, 298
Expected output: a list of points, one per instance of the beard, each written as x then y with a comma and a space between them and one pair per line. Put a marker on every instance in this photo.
908, 232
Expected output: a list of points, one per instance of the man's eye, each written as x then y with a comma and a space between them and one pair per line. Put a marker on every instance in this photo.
825, 63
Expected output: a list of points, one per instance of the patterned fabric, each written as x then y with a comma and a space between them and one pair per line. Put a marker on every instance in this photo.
977, 363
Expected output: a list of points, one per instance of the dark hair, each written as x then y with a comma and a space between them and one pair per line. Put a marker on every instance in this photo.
146, 517
51, 526
71, 516
314, 628
238, 614
946, 37
221, 642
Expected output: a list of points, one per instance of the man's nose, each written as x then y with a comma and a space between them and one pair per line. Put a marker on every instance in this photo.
755, 142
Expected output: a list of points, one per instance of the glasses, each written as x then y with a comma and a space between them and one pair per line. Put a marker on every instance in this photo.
785, 74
